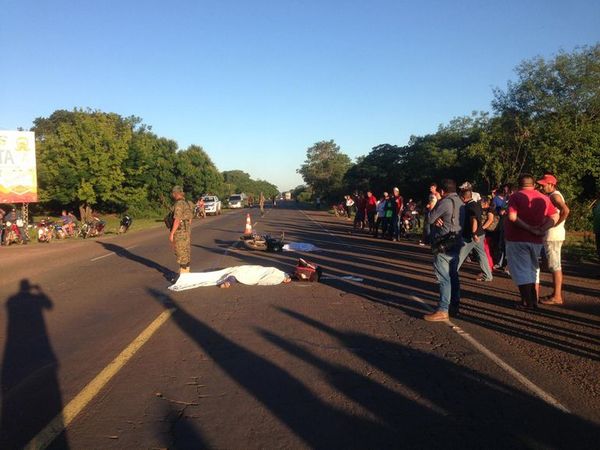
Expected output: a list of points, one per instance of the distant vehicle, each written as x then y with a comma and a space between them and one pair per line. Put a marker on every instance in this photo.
212, 205
237, 201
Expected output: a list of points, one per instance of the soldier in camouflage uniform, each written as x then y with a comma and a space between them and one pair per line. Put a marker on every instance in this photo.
180, 236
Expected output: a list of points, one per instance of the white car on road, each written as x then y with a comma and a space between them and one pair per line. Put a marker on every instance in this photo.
237, 201
212, 205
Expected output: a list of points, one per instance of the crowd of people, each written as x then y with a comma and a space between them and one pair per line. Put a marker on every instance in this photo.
513, 226
387, 217
511, 231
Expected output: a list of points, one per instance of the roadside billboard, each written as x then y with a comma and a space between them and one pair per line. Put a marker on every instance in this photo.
18, 176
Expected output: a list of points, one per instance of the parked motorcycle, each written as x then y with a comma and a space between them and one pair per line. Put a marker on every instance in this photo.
199, 211
45, 231
125, 223
409, 221
93, 229
70, 230
60, 232
11, 234
339, 210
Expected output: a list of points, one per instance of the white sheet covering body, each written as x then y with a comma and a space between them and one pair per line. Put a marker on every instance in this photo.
251, 275
300, 247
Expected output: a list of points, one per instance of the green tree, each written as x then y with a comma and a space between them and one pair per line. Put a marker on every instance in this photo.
268, 189
377, 171
238, 181
113, 163
324, 168
150, 170
80, 156
197, 173
550, 118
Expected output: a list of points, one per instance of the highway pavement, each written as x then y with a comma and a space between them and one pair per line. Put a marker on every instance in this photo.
97, 353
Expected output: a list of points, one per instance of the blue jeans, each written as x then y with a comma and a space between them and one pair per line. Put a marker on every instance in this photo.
395, 226
446, 271
426, 231
481, 256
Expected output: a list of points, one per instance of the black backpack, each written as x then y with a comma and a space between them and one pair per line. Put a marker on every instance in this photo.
169, 220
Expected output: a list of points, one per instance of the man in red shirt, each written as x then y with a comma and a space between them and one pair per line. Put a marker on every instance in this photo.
371, 208
530, 215
396, 218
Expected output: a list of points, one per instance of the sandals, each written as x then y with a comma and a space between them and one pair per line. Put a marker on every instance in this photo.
550, 301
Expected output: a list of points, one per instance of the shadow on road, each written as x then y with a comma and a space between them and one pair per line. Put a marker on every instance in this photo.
393, 272
182, 433
474, 410
430, 402
31, 395
316, 423
124, 253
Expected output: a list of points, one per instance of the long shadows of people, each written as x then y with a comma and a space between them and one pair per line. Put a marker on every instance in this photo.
316, 423
387, 275
124, 253
31, 396
482, 412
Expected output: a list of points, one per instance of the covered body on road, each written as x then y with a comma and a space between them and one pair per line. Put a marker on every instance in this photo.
249, 275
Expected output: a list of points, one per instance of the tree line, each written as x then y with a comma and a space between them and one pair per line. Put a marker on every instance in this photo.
548, 119
113, 163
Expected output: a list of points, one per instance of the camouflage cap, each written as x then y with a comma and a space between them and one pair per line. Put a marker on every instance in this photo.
177, 189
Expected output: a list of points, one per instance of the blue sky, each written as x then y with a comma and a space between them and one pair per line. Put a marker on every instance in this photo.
256, 83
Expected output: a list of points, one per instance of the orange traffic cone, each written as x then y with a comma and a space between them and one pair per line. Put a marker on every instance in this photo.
248, 230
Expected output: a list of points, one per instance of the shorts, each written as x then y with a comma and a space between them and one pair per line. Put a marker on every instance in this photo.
553, 249
523, 262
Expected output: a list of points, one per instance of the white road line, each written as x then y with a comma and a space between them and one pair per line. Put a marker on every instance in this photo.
500, 362
109, 254
484, 350
325, 229
62, 420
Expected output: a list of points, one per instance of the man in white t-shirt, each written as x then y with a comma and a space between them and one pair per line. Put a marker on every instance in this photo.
434, 197
467, 186
554, 238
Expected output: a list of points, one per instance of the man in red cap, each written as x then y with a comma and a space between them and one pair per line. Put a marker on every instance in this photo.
530, 215
554, 238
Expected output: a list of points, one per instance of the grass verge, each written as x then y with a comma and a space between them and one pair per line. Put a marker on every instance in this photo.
579, 246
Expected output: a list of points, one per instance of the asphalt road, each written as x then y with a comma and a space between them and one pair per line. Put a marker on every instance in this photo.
91, 337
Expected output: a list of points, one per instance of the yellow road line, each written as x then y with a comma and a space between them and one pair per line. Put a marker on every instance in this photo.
45, 437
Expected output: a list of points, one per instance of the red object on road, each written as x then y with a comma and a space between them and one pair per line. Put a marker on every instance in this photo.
306, 271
